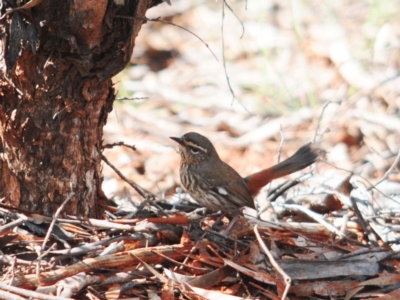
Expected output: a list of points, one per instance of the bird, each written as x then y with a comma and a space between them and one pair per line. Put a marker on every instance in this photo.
217, 186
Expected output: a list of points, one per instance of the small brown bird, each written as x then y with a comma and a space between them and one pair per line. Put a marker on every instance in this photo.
217, 186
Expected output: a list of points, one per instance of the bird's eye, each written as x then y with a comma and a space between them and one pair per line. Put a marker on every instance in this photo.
194, 150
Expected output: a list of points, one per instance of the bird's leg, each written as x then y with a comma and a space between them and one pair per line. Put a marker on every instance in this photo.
218, 222
231, 223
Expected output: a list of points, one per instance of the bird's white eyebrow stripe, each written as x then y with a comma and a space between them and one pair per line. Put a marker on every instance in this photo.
190, 144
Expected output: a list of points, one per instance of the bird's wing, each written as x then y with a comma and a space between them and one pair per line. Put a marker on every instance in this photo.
233, 188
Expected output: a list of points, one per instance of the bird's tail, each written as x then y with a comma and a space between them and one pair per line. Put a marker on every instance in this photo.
303, 157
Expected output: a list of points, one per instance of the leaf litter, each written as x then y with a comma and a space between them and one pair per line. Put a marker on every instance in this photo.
332, 231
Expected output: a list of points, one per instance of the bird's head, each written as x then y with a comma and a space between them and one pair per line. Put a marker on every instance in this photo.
195, 148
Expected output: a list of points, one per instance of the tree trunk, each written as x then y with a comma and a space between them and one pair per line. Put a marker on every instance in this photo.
56, 61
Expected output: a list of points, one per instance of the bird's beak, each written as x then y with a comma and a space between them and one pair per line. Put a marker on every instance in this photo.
177, 139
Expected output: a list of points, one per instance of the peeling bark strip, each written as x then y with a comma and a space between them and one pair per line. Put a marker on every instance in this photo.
119, 261
56, 61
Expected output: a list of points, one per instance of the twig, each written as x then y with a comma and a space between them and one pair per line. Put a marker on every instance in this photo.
192, 250
109, 146
281, 143
369, 91
95, 246
178, 263
216, 253
39, 258
275, 193
237, 18
132, 98
224, 60
316, 217
7, 295
170, 23
141, 191
11, 225
372, 186
29, 294
55, 219
283, 188
394, 165
245, 286
223, 53
287, 280
367, 230
319, 120
279, 156
12, 261
225, 237
49, 231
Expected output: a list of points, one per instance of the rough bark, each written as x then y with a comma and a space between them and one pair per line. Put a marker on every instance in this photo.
56, 61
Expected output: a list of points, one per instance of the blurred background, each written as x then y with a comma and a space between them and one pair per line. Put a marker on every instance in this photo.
260, 78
